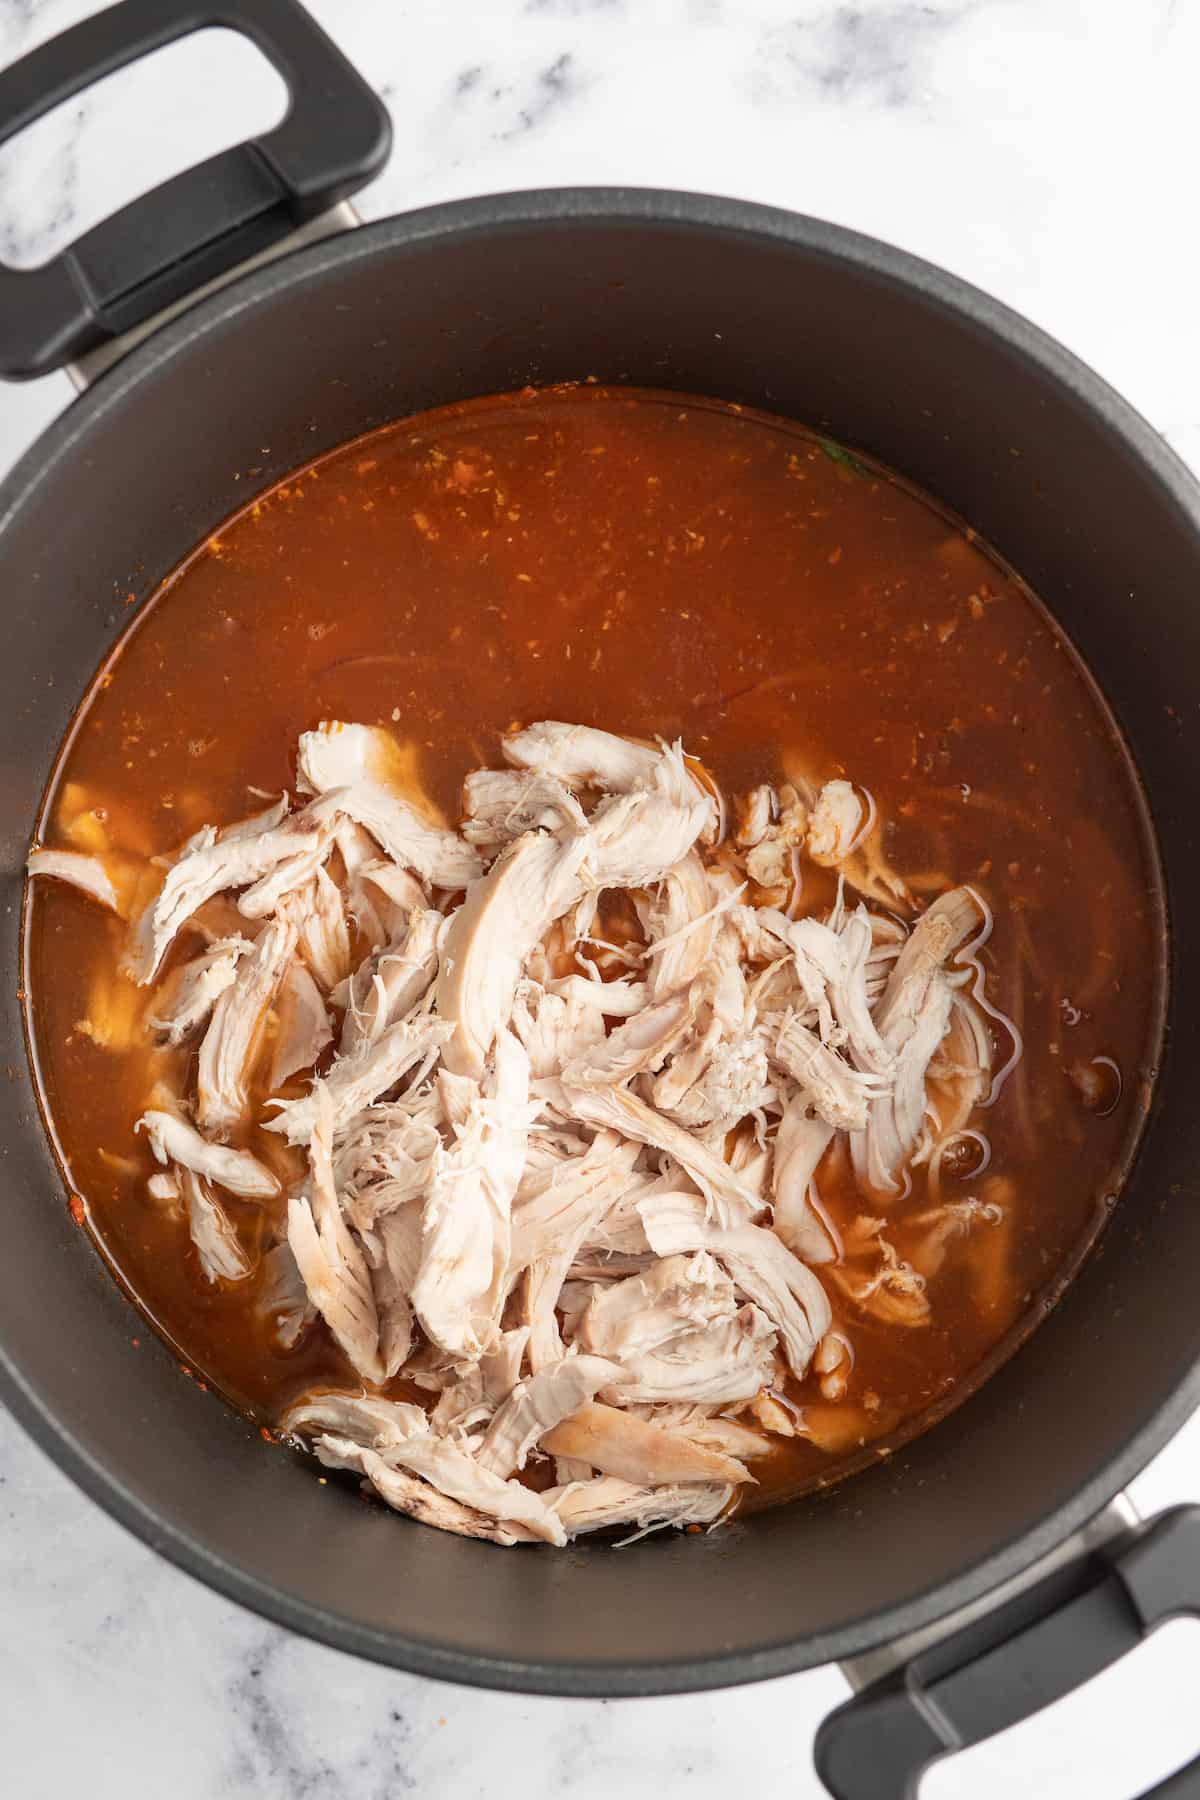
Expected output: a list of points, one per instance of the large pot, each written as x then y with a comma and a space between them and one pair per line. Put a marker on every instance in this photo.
664, 290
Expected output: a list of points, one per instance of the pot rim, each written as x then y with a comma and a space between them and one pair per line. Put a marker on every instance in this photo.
699, 213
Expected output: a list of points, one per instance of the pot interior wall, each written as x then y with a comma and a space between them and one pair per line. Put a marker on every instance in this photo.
408, 315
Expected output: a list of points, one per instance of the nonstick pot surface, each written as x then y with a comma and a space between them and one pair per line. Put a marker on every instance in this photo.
885, 354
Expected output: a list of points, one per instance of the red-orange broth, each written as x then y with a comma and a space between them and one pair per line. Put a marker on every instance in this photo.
656, 565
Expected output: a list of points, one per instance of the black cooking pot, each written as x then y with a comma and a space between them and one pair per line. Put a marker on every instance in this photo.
668, 291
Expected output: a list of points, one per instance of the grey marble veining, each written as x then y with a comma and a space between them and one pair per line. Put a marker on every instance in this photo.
1042, 148
883, 55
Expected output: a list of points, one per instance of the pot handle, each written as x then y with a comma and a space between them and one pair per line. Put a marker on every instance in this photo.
1013, 1661
187, 231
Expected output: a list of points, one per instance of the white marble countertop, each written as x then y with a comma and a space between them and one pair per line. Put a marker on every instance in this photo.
1039, 147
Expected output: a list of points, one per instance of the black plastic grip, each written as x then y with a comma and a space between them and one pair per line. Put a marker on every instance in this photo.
188, 230
1015, 1660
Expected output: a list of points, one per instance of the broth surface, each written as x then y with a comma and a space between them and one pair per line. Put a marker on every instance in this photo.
653, 565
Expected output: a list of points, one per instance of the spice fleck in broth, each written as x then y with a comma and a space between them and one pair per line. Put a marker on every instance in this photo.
665, 569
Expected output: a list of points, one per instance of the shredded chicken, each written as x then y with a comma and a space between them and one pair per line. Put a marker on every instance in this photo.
502, 804
555, 1212
619, 1443
329, 1255
679, 1333
558, 1029
187, 997
319, 915
467, 1225
761, 1265
283, 1298
580, 756
615, 1109
357, 763
489, 937
356, 1081
594, 1505
302, 1028
774, 829
800, 1142
391, 982
911, 1018
401, 1436
755, 815
837, 1093
680, 925
835, 823
878, 1280
564, 1168
419, 1499
218, 1246
172, 1139
536, 1406
265, 857
227, 1054
87, 873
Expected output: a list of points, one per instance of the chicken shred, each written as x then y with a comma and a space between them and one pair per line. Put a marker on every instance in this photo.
172, 1139
566, 1185
357, 764
302, 1025
87, 873
330, 1257
534, 1407
218, 1246
619, 1443
228, 1052
188, 996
